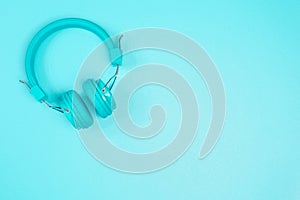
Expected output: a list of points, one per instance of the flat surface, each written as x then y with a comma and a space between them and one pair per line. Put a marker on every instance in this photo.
256, 49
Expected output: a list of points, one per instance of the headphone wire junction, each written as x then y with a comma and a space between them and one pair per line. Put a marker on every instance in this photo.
57, 108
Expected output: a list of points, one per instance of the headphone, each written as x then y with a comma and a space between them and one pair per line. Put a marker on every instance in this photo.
70, 103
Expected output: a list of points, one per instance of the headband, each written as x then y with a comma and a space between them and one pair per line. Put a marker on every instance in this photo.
35, 89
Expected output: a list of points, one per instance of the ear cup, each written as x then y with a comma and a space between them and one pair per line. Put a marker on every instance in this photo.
79, 115
100, 96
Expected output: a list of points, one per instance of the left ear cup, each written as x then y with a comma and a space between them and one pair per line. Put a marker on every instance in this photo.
78, 114
100, 96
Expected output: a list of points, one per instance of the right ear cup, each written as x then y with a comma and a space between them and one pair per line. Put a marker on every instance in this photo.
78, 114
100, 96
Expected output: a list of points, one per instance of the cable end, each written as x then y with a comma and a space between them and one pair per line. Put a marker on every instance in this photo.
25, 83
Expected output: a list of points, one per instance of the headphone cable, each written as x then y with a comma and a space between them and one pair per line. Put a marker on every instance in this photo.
57, 108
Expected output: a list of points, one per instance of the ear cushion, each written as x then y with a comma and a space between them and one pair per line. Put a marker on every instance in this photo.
100, 96
79, 115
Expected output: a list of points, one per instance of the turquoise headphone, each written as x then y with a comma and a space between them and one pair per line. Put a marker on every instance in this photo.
70, 103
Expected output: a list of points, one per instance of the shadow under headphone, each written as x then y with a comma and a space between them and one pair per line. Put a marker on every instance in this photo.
70, 103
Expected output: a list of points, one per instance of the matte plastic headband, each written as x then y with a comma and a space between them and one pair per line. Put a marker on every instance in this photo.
114, 51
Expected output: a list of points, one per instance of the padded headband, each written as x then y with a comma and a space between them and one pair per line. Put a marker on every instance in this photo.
114, 52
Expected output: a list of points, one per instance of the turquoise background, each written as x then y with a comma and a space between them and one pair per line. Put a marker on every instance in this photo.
255, 46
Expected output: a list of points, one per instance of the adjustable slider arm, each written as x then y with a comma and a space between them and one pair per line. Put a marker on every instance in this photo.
39, 95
